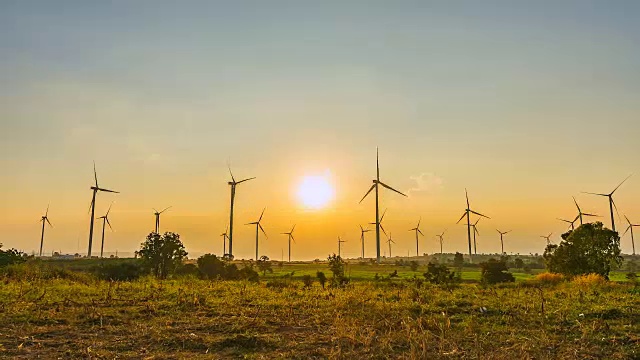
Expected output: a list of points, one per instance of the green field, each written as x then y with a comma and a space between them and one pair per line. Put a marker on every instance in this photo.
72, 315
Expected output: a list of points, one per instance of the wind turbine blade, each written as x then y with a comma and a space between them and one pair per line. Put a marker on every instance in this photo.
567, 221
466, 194
575, 202
293, 239
626, 231
420, 232
627, 219
383, 214
108, 223
623, 181
293, 228
463, 215
91, 204
419, 220
381, 228
230, 173
107, 190
95, 174
109, 210
594, 215
370, 189
361, 228
508, 231
616, 207
390, 188
476, 230
241, 181
166, 209
477, 213
262, 214
477, 221
264, 232
590, 193
47, 212
49, 222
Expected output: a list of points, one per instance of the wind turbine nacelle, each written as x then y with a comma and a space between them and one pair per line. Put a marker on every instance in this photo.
231, 183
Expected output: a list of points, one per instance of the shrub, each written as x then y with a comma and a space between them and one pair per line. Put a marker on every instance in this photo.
11, 256
589, 281
322, 278
119, 271
212, 267
548, 278
495, 271
414, 265
248, 273
440, 274
308, 281
187, 270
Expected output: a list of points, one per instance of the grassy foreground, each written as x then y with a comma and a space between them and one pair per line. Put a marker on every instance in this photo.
400, 319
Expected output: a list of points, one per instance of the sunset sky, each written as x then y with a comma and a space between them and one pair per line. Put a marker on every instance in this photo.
523, 103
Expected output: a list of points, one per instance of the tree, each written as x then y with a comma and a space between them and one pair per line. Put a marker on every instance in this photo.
458, 261
162, 254
336, 265
322, 278
439, 274
518, 263
11, 256
591, 248
212, 267
495, 271
264, 265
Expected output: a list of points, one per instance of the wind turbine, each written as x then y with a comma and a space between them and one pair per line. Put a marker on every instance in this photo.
290, 238
548, 237
224, 241
418, 232
468, 213
258, 226
340, 241
475, 231
95, 190
105, 221
612, 204
362, 231
379, 223
157, 214
389, 241
375, 186
502, 233
631, 226
571, 223
580, 213
233, 183
441, 236
44, 219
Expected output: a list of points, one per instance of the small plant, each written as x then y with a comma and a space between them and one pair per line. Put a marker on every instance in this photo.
548, 278
322, 278
589, 281
307, 280
414, 265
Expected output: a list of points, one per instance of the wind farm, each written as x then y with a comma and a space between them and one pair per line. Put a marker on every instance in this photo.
200, 115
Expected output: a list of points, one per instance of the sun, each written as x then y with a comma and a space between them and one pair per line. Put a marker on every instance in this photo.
315, 191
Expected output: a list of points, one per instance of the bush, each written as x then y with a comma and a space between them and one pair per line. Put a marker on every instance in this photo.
308, 281
119, 271
322, 278
212, 267
548, 278
589, 281
414, 265
187, 270
495, 271
11, 256
440, 274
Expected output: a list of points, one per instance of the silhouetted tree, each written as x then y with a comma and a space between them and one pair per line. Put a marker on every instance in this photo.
495, 271
322, 278
518, 263
212, 267
162, 254
11, 256
439, 274
264, 265
591, 248
336, 265
458, 260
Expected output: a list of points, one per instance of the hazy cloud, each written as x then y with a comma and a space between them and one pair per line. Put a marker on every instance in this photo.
425, 183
